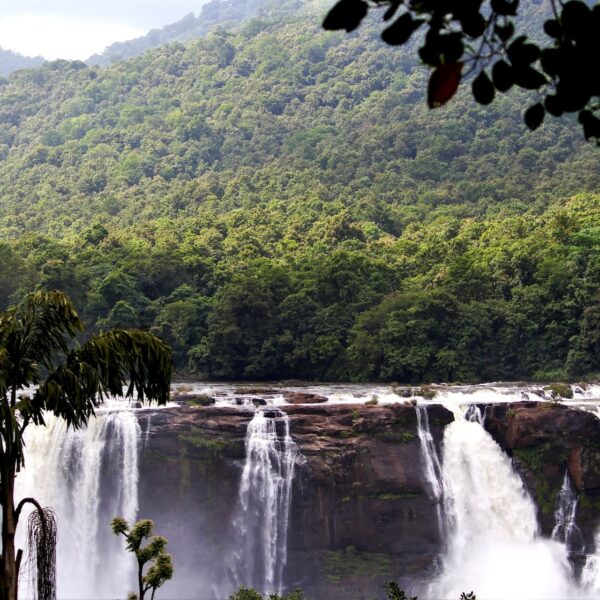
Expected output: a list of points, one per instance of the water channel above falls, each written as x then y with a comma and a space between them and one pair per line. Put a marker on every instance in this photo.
335, 489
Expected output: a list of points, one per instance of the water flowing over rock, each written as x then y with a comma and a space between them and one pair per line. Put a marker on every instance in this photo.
494, 546
88, 476
433, 469
260, 526
363, 500
566, 529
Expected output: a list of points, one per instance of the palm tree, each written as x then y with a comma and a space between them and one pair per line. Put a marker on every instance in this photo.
44, 370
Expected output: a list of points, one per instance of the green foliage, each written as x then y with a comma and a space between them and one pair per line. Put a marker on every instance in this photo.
246, 594
395, 593
153, 553
537, 459
197, 439
43, 369
560, 391
273, 203
466, 38
350, 563
249, 594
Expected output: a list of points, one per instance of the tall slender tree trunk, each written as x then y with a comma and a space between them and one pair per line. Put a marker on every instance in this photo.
141, 581
8, 572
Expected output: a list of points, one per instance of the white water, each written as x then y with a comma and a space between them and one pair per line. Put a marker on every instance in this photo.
493, 545
566, 530
227, 394
88, 477
262, 518
433, 469
590, 576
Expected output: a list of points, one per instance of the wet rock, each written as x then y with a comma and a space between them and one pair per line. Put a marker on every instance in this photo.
256, 391
545, 440
192, 399
360, 491
304, 398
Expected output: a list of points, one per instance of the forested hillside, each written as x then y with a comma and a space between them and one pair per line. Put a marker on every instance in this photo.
277, 202
192, 26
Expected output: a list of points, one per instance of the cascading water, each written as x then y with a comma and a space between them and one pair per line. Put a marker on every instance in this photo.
590, 575
88, 476
262, 517
433, 469
493, 546
566, 530
474, 414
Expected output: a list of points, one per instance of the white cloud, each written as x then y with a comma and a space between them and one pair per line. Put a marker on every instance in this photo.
61, 36
139, 13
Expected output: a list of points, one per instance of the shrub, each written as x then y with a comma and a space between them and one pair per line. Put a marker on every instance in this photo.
560, 390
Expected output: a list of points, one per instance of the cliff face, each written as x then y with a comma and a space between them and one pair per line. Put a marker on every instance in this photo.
361, 510
545, 441
361, 514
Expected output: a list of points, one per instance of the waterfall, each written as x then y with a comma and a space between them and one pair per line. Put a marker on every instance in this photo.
566, 530
433, 469
590, 575
262, 515
474, 414
146, 434
493, 544
88, 476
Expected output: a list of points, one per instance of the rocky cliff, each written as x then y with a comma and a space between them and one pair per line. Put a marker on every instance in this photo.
361, 510
546, 440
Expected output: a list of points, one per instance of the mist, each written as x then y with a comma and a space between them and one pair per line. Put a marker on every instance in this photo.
75, 29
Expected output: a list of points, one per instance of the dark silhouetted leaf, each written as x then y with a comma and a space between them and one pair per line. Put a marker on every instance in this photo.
443, 83
521, 53
575, 16
391, 11
473, 24
591, 125
504, 7
483, 89
553, 106
346, 14
502, 76
529, 78
400, 30
553, 28
551, 61
505, 32
534, 116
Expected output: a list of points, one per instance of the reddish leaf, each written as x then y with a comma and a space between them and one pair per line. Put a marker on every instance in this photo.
443, 84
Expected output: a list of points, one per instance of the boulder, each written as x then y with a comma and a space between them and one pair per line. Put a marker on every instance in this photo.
304, 398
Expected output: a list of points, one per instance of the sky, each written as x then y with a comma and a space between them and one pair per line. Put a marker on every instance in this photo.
76, 29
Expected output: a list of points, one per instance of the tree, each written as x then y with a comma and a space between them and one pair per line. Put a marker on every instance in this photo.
245, 593
43, 369
154, 551
483, 41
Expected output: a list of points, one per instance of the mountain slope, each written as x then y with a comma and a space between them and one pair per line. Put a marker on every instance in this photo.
276, 201
190, 27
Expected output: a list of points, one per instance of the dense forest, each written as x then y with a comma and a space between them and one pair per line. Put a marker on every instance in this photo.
276, 202
190, 27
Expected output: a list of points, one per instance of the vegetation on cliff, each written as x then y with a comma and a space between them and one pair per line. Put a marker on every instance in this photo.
275, 202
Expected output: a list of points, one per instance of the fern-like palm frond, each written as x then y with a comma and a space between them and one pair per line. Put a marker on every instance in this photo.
119, 362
